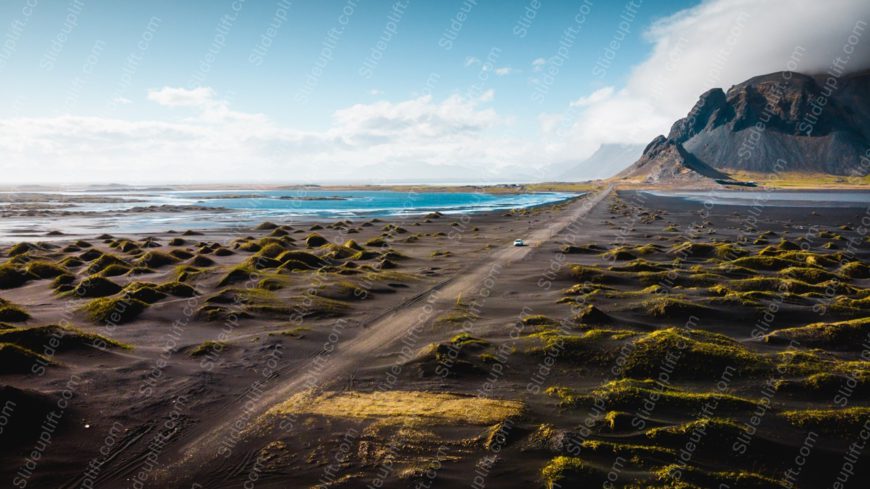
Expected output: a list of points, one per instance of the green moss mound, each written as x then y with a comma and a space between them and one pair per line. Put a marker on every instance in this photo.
104, 261
181, 255
841, 421
673, 307
157, 259
582, 249
271, 250
592, 315
810, 275
223, 252
44, 269
177, 289
115, 270
377, 243
698, 353
12, 313
630, 395
96, 286
240, 273
764, 263
114, 310
202, 261
315, 240
17, 360
679, 477
690, 249
22, 248
208, 348
571, 472
66, 338
855, 269
144, 292
843, 335
308, 259
11, 277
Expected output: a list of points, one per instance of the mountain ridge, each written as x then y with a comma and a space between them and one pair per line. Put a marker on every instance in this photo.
782, 121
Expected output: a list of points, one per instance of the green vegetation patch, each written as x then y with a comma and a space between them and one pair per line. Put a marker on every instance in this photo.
114, 310
678, 476
669, 307
208, 348
11, 277
44, 269
17, 360
96, 286
841, 421
65, 338
630, 395
843, 335
571, 472
12, 313
157, 259
693, 353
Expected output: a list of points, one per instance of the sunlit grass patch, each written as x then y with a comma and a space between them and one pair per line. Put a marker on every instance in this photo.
571, 472
681, 476
843, 335
835, 421
67, 338
12, 313
628, 394
44, 269
809, 274
768, 263
114, 310
694, 352
668, 306
95, 286
207, 348
425, 407
690, 249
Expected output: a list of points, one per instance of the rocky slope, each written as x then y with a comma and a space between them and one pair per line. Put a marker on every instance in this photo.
780, 122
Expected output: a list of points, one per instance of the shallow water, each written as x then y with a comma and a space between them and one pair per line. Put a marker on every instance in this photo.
248, 207
779, 198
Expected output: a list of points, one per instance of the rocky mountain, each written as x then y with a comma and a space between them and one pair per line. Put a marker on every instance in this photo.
780, 122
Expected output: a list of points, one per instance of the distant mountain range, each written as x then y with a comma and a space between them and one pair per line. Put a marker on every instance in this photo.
607, 161
775, 123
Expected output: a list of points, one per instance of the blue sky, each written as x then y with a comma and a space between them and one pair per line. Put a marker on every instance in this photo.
480, 105
186, 29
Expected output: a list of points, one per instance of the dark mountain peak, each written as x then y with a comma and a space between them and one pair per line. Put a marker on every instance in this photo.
711, 110
801, 122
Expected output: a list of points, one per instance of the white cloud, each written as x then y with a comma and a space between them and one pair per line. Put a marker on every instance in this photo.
538, 64
471, 61
121, 101
200, 97
375, 92
504, 71
222, 145
594, 97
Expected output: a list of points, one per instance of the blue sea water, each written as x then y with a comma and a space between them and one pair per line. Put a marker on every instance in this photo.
234, 208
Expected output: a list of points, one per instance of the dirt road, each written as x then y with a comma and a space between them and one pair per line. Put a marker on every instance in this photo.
380, 336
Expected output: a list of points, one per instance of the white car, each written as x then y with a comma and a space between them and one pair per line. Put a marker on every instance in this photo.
519, 242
